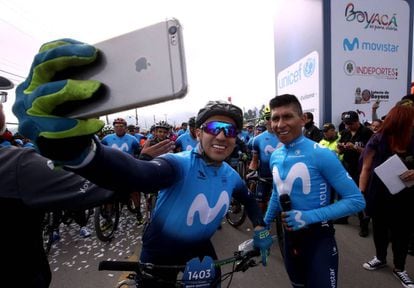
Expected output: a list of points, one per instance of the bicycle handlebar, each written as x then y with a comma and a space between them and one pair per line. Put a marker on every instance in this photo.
132, 266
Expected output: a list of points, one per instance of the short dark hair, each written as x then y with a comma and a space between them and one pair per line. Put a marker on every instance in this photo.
286, 100
309, 115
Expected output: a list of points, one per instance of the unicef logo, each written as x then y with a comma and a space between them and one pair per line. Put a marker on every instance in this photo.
309, 67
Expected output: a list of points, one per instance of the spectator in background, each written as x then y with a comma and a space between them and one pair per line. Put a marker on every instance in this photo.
351, 144
187, 141
161, 132
127, 143
311, 131
330, 138
391, 214
376, 125
183, 129
262, 148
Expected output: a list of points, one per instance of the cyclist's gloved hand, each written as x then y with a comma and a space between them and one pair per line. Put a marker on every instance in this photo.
296, 219
263, 241
59, 138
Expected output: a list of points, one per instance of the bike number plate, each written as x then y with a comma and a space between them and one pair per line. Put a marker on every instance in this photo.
199, 274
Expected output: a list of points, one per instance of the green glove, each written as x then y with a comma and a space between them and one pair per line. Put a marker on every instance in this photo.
39, 95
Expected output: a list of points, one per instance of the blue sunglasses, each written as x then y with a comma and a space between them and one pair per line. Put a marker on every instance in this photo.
215, 127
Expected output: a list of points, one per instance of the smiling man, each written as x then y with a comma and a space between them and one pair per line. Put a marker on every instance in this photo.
195, 186
305, 171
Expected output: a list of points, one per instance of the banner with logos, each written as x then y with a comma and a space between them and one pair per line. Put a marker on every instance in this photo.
302, 79
369, 55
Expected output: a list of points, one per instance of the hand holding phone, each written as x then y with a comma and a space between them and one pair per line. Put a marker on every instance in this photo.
140, 68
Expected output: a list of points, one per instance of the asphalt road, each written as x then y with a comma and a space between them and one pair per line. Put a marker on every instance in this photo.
74, 260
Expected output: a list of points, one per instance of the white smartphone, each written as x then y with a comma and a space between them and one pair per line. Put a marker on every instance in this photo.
140, 68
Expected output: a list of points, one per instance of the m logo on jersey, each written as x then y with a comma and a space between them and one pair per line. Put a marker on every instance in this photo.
124, 147
299, 170
205, 213
269, 149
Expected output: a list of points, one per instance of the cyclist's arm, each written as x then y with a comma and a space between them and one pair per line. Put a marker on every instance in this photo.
118, 171
350, 201
273, 208
39, 186
242, 195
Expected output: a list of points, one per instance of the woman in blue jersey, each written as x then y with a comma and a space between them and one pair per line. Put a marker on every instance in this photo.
303, 174
195, 186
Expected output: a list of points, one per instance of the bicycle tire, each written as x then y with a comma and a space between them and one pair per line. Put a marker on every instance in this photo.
101, 219
47, 232
236, 215
241, 169
131, 205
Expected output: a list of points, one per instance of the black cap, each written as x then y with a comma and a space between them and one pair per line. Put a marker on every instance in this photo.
350, 117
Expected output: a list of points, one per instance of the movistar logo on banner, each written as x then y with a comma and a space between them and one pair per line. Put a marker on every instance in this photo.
356, 44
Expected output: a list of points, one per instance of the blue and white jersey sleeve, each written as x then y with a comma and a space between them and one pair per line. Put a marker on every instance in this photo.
306, 171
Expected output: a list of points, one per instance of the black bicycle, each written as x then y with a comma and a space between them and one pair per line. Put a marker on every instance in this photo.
252, 180
195, 274
236, 215
107, 215
51, 223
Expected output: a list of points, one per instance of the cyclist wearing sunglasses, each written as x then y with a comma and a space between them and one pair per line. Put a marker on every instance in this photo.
195, 186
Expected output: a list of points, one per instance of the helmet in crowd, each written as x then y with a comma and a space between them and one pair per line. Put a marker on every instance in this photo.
220, 108
162, 124
192, 122
131, 128
119, 121
266, 111
107, 129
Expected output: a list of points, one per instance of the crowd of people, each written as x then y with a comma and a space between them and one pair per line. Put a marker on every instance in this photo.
317, 177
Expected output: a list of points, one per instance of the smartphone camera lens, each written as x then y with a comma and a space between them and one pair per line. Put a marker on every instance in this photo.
172, 30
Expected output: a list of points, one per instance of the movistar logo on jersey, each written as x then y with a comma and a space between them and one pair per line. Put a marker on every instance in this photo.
269, 149
206, 213
298, 170
124, 147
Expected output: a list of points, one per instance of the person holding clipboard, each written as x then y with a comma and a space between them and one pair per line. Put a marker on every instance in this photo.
391, 212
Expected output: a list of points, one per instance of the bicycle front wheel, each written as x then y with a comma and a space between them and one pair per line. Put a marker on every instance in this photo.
106, 221
236, 215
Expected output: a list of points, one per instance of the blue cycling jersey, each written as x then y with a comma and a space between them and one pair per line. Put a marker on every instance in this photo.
264, 144
194, 196
186, 142
191, 210
126, 143
306, 171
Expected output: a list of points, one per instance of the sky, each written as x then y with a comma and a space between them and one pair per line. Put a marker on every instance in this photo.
229, 46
